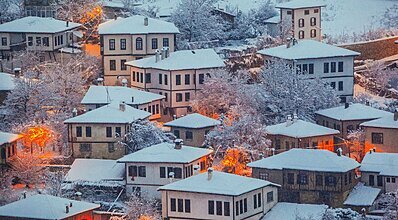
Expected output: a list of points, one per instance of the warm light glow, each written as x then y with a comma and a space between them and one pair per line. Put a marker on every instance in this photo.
37, 136
235, 160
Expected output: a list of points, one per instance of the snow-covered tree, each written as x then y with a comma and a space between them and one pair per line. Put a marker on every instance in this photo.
235, 161
140, 209
265, 11
356, 144
390, 17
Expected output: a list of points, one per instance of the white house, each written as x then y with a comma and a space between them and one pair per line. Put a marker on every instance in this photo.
218, 195
380, 170
98, 96
177, 76
313, 59
8, 146
160, 164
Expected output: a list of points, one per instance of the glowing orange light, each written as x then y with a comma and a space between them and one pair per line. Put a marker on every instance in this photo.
38, 136
235, 160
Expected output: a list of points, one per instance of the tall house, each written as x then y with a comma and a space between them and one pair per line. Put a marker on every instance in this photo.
312, 59
302, 18
132, 38
40, 8
177, 76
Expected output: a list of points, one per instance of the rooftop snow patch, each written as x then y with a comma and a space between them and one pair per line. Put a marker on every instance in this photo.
45, 207
135, 25
384, 122
8, 137
307, 49
307, 159
100, 94
355, 111
297, 4
362, 195
220, 183
385, 164
95, 171
294, 211
273, 20
166, 153
110, 114
182, 60
300, 129
6, 82
194, 120
37, 25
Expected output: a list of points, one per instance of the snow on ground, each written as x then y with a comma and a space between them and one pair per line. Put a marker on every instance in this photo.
293, 211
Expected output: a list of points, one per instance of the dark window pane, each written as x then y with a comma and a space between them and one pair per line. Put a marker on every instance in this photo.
173, 205
226, 209
180, 205
162, 172
211, 207
188, 206
219, 207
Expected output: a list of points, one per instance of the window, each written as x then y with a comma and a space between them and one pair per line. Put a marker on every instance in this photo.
333, 67
179, 97
165, 42
345, 179
123, 65
141, 77
180, 205
330, 181
38, 41
178, 79
62, 39
46, 41
166, 80
341, 67
301, 34
316, 10
157, 108
305, 69
290, 178
237, 208
340, 85
148, 77
111, 44
122, 44
133, 74
177, 172
263, 176
201, 78
138, 43
108, 132
85, 147
333, 85
255, 201
319, 180
226, 209
302, 179
287, 147
189, 135
3, 41
270, 197
388, 179
371, 180
311, 68
142, 171
298, 68
350, 177
177, 133
306, 12
112, 64
154, 43
313, 21
88, 131
173, 205
79, 131
259, 199
219, 208
162, 172
30, 41
111, 147
187, 205
160, 78
379, 180
289, 12
187, 79
301, 22
325, 67
210, 207
313, 33
187, 96
240, 206
245, 205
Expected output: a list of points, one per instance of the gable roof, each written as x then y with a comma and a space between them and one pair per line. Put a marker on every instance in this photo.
307, 49
297, 4
6, 82
355, 111
99, 95
383, 163
194, 120
300, 129
220, 183
110, 114
8, 137
166, 153
384, 122
307, 159
45, 207
135, 25
37, 25
362, 195
182, 60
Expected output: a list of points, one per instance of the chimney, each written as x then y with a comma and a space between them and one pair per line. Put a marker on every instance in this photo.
157, 56
66, 209
124, 82
346, 105
24, 194
146, 21
122, 107
294, 41
295, 117
115, 17
289, 120
171, 176
209, 173
288, 42
132, 99
67, 23
100, 81
74, 112
70, 204
178, 144
167, 52
163, 54
196, 169
396, 114
78, 196
339, 151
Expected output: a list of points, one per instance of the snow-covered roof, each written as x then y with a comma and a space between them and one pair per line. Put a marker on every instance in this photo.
110, 114
383, 163
182, 60
307, 159
384, 122
294, 211
273, 20
355, 111
6, 82
300, 129
307, 49
220, 183
45, 207
194, 120
166, 153
362, 195
37, 25
101, 94
297, 4
96, 171
113, 4
135, 25
8, 137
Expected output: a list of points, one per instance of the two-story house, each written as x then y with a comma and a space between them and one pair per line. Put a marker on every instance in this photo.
177, 76
380, 170
40, 8
98, 96
46, 35
192, 128
218, 195
161, 164
296, 133
309, 175
132, 38
98, 133
302, 18
8, 146
313, 59
382, 134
